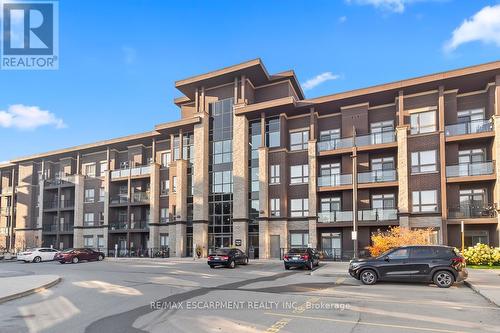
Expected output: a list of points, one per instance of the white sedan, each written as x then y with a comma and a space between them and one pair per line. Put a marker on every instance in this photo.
37, 254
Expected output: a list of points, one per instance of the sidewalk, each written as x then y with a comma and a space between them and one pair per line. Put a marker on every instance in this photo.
20, 286
332, 269
485, 282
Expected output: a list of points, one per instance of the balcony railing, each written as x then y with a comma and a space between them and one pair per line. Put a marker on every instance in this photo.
137, 171
470, 169
67, 204
378, 214
167, 219
63, 180
118, 225
359, 141
49, 227
66, 227
335, 180
469, 210
140, 197
377, 176
335, 216
475, 126
138, 225
119, 199
53, 227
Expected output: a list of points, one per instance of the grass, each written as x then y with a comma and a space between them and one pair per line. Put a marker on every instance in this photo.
483, 266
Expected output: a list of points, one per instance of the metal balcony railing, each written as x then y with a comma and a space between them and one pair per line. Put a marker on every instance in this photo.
137, 171
140, 197
378, 214
335, 144
119, 199
358, 141
475, 126
469, 210
167, 219
52, 227
66, 227
118, 225
377, 176
64, 204
335, 216
470, 169
335, 180
139, 225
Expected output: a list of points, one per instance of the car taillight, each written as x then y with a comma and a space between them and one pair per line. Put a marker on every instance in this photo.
457, 260
286, 256
305, 257
225, 257
210, 258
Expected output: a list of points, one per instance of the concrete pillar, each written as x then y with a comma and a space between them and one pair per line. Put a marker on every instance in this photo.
313, 205
264, 238
240, 234
181, 208
78, 214
264, 245
403, 195
154, 206
201, 183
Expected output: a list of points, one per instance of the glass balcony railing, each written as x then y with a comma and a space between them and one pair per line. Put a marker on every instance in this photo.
375, 138
475, 126
120, 225
376, 176
138, 225
335, 180
467, 210
137, 171
335, 216
140, 197
119, 199
49, 227
470, 169
335, 144
378, 214
66, 227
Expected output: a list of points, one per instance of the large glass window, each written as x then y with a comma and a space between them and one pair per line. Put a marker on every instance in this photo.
88, 241
89, 169
176, 147
423, 122
424, 201
103, 168
383, 201
471, 115
274, 177
423, 161
188, 146
255, 139
299, 174
254, 179
330, 204
275, 206
468, 156
222, 182
222, 151
273, 133
383, 163
298, 140
165, 159
299, 239
299, 207
88, 219
329, 135
89, 196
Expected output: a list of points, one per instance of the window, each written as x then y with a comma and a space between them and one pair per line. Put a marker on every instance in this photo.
187, 146
399, 254
329, 135
89, 169
165, 159
273, 133
89, 195
299, 239
174, 184
383, 201
298, 140
254, 208
471, 115
176, 144
164, 217
330, 204
222, 151
88, 241
471, 156
88, 219
423, 161
424, 201
274, 178
384, 163
164, 240
100, 241
382, 126
103, 168
299, 207
222, 182
164, 186
423, 122
254, 179
101, 218
255, 139
102, 194
299, 174
275, 207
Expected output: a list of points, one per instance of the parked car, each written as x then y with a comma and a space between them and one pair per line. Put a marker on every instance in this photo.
227, 257
301, 257
443, 265
76, 255
38, 254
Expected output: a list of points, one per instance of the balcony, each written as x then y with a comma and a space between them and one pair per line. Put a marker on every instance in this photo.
52, 227
377, 176
378, 214
335, 216
470, 169
140, 197
335, 144
139, 225
358, 141
66, 227
471, 210
118, 225
475, 126
335, 180
119, 199
132, 172
165, 220
66, 180
67, 204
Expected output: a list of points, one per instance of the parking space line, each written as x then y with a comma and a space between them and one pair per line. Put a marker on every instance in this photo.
277, 326
364, 323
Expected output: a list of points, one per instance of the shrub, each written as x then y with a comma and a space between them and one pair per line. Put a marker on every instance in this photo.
482, 254
397, 236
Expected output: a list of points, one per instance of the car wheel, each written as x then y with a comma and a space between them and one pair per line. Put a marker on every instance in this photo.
75, 260
212, 266
100, 258
246, 262
368, 276
310, 266
37, 259
61, 262
232, 264
287, 267
443, 279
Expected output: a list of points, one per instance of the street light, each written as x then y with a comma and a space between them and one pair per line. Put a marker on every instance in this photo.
462, 231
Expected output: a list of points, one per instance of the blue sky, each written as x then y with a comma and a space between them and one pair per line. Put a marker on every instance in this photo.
119, 59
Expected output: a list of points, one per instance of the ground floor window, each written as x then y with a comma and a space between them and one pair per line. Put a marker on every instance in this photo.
164, 241
299, 239
88, 241
331, 245
100, 241
472, 237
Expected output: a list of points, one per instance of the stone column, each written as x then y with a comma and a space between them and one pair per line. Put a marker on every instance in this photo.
181, 208
240, 181
264, 246
403, 197
313, 206
200, 181
78, 214
154, 206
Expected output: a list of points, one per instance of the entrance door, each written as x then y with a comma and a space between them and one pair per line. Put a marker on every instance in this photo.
275, 246
122, 247
331, 245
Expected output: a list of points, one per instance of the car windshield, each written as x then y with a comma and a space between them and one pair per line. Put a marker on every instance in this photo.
297, 251
222, 252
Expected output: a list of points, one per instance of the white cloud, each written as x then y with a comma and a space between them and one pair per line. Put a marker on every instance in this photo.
319, 79
484, 26
342, 19
129, 55
28, 118
396, 6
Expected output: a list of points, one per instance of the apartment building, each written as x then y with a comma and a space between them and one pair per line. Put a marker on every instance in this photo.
253, 163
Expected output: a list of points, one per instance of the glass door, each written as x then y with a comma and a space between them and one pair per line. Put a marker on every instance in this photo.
331, 245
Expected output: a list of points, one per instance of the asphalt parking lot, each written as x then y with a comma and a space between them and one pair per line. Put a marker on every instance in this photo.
188, 296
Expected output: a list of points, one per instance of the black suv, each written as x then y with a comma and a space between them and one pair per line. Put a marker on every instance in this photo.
301, 257
442, 265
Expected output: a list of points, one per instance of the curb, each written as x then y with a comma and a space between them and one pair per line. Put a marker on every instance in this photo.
479, 292
30, 291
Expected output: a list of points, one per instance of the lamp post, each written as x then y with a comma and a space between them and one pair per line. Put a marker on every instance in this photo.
462, 231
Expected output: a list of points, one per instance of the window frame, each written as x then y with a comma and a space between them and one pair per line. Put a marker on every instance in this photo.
304, 174
304, 207
417, 204
418, 127
302, 135
274, 174
275, 207
418, 168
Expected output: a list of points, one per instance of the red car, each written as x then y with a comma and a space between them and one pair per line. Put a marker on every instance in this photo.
76, 255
